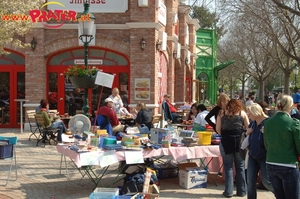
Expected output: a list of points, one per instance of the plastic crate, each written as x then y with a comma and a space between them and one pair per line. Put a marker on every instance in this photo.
163, 172
6, 149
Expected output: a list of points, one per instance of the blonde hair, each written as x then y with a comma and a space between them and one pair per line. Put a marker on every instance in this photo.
222, 98
142, 105
285, 103
256, 110
116, 90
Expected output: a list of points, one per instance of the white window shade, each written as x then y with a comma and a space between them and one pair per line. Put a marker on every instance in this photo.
178, 50
162, 36
143, 3
188, 56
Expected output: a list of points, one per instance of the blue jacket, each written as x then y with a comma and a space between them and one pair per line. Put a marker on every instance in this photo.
256, 141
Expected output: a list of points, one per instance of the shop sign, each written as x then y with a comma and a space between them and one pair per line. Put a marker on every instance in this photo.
162, 13
90, 61
60, 15
96, 6
142, 89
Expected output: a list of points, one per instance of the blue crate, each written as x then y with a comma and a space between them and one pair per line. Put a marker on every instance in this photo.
6, 151
163, 172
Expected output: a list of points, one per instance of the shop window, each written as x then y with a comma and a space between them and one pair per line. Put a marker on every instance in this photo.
123, 87
57, 59
96, 53
78, 53
120, 60
69, 62
5, 62
12, 59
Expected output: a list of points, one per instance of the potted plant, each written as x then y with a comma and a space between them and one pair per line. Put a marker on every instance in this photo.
82, 77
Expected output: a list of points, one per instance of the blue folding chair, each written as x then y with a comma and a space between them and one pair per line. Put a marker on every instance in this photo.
11, 156
104, 123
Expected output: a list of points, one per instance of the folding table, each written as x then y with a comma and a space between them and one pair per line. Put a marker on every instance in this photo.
176, 153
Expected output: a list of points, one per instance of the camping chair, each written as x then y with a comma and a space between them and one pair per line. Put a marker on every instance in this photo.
32, 124
104, 123
8, 152
46, 134
155, 120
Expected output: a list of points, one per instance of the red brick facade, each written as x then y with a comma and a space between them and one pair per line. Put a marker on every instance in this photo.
122, 32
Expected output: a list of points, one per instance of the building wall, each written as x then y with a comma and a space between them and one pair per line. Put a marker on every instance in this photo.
136, 23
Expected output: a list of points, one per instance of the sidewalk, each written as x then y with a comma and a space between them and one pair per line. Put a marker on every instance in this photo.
39, 177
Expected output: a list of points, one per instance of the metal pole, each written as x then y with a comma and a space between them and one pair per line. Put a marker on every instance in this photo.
295, 83
86, 107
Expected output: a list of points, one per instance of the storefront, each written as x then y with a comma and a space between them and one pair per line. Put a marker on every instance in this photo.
166, 64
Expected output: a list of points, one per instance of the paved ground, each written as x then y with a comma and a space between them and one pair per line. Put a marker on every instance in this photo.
39, 177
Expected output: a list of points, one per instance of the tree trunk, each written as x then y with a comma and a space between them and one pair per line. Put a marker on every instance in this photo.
261, 90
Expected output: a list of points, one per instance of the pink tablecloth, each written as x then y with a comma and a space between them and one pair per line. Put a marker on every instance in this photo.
177, 153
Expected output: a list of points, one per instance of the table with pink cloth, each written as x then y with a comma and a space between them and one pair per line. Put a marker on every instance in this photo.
209, 157
176, 153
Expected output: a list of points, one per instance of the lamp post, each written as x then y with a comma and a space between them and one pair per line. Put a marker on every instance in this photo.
295, 71
86, 24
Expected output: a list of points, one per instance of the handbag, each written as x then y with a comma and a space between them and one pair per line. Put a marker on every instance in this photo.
244, 142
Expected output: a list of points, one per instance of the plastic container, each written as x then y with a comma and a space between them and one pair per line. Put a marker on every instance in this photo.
104, 193
204, 137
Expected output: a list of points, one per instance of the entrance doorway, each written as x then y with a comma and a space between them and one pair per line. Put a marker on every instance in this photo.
12, 86
62, 95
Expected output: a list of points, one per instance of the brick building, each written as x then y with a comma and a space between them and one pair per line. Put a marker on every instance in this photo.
165, 65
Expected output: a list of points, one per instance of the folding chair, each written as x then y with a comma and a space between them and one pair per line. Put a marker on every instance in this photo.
10, 154
155, 120
46, 134
103, 122
32, 123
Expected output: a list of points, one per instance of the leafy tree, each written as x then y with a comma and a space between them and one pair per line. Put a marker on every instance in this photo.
207, 19
12, 31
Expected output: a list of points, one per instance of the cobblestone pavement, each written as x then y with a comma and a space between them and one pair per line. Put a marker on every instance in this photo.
39, 177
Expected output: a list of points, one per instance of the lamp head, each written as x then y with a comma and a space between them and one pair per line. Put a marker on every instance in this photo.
33, 43
86, 20
158, 45
142, 43
295, 69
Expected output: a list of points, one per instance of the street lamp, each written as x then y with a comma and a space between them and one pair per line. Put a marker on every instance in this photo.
295, 71
86, 24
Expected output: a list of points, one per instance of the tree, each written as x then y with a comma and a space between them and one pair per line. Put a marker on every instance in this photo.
12, 31
280, 25
207, 19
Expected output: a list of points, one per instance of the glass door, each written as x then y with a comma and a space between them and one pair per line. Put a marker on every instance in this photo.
12, 86
5, 99
65, 98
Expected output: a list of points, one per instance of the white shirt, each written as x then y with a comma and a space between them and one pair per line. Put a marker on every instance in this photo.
249, 102
200, 119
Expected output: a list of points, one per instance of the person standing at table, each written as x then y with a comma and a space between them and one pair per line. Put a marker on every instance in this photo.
221, 104
257, 152
231, 123
282, 142
117, 100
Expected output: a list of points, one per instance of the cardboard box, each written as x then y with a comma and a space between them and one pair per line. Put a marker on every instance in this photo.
191, 176
159, 134
153, 192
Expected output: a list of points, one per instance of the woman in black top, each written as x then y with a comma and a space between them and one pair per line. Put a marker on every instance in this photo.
221, 104
142, 117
